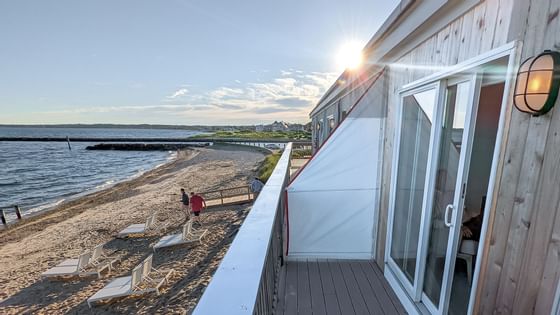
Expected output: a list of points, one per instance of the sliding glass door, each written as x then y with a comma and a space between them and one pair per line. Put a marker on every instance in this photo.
416, 127
434, 141
446, 202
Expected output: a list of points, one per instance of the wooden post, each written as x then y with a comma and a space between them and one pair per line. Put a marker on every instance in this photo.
248, 193
222, 197
3, 217
18, 212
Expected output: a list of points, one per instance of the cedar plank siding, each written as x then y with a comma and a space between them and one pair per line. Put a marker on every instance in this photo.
523, 261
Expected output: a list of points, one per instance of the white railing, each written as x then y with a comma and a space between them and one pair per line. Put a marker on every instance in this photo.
247, 278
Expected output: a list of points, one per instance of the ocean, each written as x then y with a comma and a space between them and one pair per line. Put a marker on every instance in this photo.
40, 175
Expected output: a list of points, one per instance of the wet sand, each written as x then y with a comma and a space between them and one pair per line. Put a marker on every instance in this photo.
39, 243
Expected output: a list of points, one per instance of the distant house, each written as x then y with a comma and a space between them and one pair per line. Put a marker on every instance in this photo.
259, 128
279, 126
295, 127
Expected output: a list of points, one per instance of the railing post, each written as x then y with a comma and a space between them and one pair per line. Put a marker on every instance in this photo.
18, 212
3, 217
222, 196
248, 193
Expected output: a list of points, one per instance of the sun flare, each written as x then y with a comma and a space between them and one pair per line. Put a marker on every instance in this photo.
350, 56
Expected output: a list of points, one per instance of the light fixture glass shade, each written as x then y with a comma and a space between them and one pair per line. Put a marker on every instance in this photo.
537, 84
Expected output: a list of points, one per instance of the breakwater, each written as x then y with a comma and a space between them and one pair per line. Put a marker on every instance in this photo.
144, 146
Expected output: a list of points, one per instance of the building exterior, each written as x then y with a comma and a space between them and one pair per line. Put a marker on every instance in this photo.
422, 167
442, 134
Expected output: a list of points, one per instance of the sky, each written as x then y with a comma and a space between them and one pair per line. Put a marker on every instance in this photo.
185, 62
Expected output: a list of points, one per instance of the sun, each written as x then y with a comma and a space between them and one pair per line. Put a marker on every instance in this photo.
350, 56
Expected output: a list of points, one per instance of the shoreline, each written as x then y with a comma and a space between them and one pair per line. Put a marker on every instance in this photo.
86, 196
43, 241
63, 200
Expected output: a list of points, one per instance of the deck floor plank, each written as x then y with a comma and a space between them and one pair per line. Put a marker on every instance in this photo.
342, 293
356, 296
398, 306
281, 302
317, 294
291, 289
335, 287
304, 293
370, 296
331, 300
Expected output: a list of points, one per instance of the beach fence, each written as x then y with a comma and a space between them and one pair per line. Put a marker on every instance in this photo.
10, 211
228, 196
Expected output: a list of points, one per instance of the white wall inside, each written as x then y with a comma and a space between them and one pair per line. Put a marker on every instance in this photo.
483, 147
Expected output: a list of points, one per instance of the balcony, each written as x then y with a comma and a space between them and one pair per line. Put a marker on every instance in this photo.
255, 278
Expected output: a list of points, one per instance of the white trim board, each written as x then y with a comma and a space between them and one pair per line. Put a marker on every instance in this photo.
462, 67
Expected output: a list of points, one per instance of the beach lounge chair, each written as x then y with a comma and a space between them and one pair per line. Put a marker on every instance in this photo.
135, 284
72, 267
154, 276
188, 236
135, 229
101, 260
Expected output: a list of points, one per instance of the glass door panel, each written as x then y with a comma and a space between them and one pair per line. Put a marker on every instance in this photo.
458, 99
414, 140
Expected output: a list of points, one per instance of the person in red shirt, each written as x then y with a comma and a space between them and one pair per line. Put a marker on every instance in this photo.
197, 204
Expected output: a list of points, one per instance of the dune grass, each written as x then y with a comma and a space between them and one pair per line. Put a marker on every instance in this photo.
253, 135
268, 165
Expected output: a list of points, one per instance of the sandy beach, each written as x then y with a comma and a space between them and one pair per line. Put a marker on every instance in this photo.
36, 244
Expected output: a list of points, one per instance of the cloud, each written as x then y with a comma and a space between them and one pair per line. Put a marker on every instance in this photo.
270, 110
294, 102
180, 92
290, 96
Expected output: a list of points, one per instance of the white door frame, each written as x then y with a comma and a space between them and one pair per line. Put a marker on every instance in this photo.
474, 81
412, 289
392, 273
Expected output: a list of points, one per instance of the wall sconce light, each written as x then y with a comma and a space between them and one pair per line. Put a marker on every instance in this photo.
538, 80
331, 123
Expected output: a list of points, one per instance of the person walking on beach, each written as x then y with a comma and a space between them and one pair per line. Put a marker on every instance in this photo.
185, 203
256, 187
197, 204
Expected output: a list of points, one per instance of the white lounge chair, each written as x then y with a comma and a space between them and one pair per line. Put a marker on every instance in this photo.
188, 236
152, 275
72, 267
102, 261
135, 229
135, 284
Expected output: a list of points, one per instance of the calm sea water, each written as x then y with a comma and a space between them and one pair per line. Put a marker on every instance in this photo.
40, 175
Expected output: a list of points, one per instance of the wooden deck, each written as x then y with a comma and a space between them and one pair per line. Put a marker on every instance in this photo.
335, 287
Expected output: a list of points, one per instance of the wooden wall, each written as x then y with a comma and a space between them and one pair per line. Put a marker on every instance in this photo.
522, 267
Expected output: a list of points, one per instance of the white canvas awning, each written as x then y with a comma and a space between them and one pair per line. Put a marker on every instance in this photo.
332, 201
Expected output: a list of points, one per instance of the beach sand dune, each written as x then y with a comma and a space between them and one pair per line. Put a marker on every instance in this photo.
41, 242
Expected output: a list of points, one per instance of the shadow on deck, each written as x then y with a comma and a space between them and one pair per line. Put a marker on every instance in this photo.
335, 287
